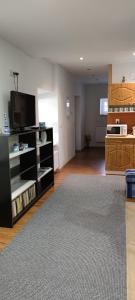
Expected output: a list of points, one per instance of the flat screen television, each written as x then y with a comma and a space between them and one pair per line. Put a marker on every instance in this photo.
22, 108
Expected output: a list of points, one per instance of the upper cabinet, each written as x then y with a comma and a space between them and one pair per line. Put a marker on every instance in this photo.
121, 94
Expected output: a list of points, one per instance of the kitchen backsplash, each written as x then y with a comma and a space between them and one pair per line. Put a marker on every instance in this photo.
124, 117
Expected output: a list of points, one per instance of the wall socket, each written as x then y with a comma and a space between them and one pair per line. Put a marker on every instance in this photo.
117, 121
13, 73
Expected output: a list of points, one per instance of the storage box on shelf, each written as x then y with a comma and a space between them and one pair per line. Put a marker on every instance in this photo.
20, 173
24, 198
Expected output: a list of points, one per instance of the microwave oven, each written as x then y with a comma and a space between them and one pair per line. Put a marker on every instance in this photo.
116, 129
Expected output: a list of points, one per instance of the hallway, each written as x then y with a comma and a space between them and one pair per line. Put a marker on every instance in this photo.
88, 161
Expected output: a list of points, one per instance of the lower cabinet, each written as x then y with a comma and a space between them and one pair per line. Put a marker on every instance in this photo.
119, 154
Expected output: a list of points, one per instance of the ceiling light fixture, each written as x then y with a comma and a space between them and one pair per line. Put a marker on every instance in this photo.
134, 53
81, 58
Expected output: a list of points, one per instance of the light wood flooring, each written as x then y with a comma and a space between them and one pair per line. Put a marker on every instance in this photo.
86, 162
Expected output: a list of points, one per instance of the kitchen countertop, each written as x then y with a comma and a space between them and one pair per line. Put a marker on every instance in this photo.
128, 136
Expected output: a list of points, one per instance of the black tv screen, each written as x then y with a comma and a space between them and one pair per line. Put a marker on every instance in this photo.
22, 110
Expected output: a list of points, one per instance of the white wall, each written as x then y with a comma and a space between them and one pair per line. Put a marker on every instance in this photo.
93, 93
65, 89
120, 70
78, 123
79, 115
35, 74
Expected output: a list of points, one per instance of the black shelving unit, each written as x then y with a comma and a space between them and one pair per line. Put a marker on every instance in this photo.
45, 170
24, 175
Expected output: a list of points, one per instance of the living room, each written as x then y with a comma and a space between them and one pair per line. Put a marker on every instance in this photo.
70, 234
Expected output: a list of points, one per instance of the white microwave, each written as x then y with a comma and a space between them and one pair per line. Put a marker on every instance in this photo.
116, 129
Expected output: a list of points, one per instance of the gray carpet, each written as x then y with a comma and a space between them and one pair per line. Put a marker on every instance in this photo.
73, 248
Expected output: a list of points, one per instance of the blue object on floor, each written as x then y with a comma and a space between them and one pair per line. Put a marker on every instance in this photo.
130, 180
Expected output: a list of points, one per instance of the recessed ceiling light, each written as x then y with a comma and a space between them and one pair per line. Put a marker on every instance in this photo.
81, 58
134, 53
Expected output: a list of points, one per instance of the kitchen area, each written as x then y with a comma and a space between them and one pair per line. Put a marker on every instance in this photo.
120, 137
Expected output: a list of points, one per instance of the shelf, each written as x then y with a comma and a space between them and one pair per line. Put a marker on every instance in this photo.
44, 144
44, 171
20, 187
25, 175
44, 159
21, 132
15, 154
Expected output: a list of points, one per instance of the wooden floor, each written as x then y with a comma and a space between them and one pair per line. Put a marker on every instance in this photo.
86, 162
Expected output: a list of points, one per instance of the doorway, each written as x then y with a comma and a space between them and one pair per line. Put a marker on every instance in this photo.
48, 113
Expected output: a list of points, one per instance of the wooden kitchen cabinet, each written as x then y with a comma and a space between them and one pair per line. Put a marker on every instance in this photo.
121, 94
119, 153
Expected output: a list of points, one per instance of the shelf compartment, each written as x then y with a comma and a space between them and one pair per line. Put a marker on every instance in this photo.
44, 159
15, 154
43, 144
45, 182
16, 171
19, 215
20, 187
47, 163
25, 163
43, 172
46, 151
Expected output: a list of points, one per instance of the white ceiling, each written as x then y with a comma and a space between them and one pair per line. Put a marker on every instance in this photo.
102, 31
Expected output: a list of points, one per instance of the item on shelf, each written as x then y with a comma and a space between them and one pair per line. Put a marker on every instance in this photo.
15, 147
25, 198
6, 125
32, 192
21, 146
14, 211
21, 118
43, 137
26, 146
19, 206
42, 125
21, 201
34, 127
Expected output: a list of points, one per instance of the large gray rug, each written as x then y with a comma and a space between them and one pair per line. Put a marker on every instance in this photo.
74, 246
